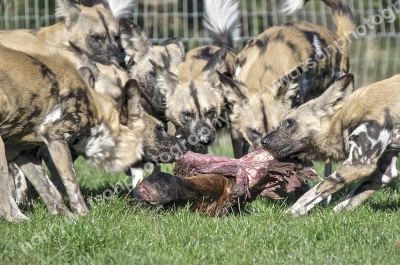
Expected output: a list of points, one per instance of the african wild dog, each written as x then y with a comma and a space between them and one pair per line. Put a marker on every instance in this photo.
341, 125
140, 51
282, 68
93, 29
45, 100
193, 93
106, 79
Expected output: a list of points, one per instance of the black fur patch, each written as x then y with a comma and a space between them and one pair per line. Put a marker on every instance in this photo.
193, 94
104, 24
264, 116
205, 53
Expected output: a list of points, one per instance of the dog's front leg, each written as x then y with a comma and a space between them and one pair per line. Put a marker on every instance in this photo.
365, 150
61, 156
385, 173
345, 174
8, 207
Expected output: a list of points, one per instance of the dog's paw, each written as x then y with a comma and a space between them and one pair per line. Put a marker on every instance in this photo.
16, 216
80, 209
306, 202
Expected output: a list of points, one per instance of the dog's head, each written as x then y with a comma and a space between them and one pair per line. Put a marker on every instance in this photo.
194, 96
304, 131
158, 145
140, 51
93, 29
255, 112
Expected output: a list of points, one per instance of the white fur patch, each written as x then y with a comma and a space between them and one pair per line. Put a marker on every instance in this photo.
222, 16
100, 143
318, 47
53, 116
383, 140
291, 6
122, 8
237, 71
136, 176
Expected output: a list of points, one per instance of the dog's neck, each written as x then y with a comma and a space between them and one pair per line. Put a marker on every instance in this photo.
330, 144
112, 146
56, 35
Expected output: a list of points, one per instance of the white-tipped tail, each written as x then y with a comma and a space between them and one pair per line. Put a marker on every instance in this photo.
291, 6
122, 8
221, 19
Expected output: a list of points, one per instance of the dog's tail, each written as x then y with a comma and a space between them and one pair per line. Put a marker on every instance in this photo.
342, 13
221, 19
122, 8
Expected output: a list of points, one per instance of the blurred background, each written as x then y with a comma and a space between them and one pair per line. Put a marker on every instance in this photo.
374, 56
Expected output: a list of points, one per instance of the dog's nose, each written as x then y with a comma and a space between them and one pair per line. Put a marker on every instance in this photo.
265, 142
181, 139
204, 139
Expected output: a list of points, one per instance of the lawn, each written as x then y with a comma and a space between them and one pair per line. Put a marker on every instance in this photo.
117, 232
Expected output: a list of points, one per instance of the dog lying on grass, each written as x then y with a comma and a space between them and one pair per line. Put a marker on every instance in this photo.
361, 127
213, 184
45, 100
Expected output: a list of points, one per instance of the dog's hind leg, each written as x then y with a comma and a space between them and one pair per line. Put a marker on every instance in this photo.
30, 164
8, 207
21, 185
385, 173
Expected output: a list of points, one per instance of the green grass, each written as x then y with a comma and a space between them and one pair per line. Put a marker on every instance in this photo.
117, 232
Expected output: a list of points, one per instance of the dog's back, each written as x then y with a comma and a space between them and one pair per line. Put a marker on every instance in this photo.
377, 102
284, 67
30, 88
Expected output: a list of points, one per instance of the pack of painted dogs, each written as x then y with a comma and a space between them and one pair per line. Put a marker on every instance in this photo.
95, 86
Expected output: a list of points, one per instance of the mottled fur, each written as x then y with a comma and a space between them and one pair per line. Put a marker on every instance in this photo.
194, 96
140, 51
281, 69
44, 100
93, 29
341, 125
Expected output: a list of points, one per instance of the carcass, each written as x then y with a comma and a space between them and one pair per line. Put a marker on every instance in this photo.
214, 184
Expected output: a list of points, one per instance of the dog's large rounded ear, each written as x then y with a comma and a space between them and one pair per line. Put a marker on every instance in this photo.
106, 5
175, 44
233, 90
134, 41
131, 109
83, 60
292, 88
166, 81
68, 10
87, 76
334, 97
217, 61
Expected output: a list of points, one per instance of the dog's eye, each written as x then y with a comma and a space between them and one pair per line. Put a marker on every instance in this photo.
187, 116
287, 123
211, 114
297, 99
117, 38
97, 38
255, 133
